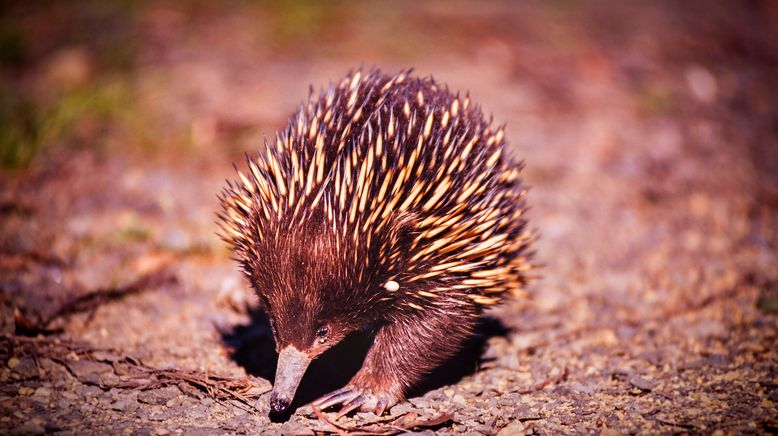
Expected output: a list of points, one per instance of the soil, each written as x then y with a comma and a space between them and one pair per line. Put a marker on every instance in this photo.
650, 137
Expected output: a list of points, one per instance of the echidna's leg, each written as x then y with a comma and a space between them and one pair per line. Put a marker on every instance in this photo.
402, 354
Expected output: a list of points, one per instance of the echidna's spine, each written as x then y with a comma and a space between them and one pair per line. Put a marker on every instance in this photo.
412, 180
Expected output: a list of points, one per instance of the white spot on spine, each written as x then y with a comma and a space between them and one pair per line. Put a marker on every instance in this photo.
392, 286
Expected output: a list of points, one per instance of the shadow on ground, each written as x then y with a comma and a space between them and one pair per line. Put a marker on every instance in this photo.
252, 347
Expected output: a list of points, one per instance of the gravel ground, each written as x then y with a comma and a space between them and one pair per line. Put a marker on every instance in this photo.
649, 136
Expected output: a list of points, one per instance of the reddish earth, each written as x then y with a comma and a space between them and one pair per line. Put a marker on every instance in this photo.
650, 141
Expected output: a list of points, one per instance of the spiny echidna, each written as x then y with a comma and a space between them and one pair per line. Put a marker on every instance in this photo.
387, 203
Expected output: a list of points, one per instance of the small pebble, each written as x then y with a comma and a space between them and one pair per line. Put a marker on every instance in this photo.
642, 383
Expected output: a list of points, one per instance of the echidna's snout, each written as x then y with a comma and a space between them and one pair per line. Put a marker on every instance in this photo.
292, 364
278, 405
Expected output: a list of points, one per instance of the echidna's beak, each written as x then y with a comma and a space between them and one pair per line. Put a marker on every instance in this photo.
292, 364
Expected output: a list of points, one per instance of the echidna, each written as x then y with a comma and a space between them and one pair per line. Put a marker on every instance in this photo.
387, 203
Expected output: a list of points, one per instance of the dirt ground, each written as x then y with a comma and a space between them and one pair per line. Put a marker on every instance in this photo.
650, 136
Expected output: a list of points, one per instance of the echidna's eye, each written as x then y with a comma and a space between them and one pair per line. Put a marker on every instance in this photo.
322, 334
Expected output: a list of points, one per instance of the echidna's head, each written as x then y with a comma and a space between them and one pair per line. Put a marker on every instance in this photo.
311, 297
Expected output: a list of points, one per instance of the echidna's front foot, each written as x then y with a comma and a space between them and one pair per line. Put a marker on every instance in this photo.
351, 398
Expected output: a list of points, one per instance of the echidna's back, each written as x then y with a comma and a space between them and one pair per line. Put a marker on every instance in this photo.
401, 145
376, 153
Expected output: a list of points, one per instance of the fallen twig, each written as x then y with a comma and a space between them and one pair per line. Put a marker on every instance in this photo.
90, 301
219, 388
400, 424
139, 375
93, 299
340, 429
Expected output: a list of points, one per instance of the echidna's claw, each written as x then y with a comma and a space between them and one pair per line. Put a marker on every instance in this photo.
340, 396
351, 398
319, 401
380, 407
350, 405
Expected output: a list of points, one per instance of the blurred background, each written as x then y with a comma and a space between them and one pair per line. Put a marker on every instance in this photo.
649, 132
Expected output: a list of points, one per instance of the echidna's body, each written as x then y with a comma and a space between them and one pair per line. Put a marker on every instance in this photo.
388, 202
